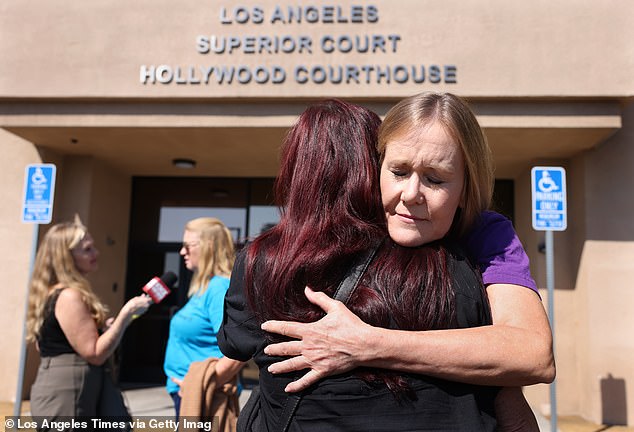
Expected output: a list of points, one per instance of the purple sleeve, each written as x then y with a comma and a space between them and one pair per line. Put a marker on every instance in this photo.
496, 250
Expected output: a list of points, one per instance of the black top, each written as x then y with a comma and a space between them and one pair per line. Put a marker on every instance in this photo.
52, 340
348, 403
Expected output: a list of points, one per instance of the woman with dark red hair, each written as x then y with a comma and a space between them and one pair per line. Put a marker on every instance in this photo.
331, 212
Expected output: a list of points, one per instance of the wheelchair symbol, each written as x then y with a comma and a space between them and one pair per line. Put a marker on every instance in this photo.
38, 177
546, 183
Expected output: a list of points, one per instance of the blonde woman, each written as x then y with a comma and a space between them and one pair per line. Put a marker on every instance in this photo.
68, 322
208, 251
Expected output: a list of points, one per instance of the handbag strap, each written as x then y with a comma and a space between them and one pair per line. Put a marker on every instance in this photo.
349, 283
344, 291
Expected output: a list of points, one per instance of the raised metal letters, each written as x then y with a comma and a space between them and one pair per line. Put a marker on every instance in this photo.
218, 50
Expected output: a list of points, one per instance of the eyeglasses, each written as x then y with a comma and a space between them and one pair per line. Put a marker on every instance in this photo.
189, 246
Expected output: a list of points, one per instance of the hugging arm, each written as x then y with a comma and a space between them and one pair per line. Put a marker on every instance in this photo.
516, 350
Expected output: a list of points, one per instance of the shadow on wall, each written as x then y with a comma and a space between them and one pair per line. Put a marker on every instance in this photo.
613, 401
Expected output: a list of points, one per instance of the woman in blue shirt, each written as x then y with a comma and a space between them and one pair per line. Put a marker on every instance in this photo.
208, 251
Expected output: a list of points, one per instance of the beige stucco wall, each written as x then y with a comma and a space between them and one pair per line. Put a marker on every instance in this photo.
606, 277
16, 250
499, 48
108, 223
605, 348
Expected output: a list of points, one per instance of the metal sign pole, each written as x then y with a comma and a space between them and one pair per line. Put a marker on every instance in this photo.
37, 208
17, 407
550, 284
550, 213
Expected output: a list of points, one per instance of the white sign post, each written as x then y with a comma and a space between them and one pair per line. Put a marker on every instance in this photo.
37, 208
548, 186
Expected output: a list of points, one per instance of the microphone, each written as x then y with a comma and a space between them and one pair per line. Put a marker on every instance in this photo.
159, 288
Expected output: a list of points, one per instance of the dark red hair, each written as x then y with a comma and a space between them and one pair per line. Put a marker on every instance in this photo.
328, 193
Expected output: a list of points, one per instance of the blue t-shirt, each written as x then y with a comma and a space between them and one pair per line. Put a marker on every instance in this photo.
193, 331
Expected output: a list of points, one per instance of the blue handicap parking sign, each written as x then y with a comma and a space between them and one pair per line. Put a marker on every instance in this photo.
39, 191
549, 198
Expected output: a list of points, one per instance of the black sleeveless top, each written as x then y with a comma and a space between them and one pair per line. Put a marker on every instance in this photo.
52, 340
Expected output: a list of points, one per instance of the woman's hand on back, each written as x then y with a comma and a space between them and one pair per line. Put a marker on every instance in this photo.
335, 344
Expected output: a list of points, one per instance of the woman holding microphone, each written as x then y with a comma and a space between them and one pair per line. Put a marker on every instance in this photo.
68, 322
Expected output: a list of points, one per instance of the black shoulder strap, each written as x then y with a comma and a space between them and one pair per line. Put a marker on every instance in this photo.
343, 293
353, 275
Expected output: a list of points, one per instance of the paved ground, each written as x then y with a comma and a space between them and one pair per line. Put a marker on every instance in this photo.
154, 402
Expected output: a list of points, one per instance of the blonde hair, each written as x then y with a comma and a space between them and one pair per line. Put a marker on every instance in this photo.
454, 114
55, 267
217, 252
